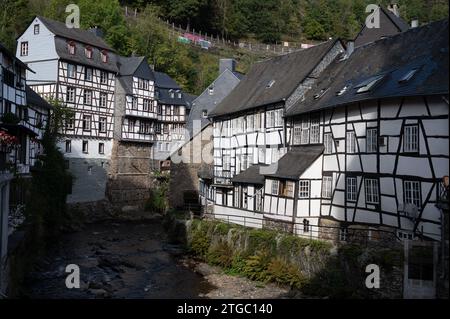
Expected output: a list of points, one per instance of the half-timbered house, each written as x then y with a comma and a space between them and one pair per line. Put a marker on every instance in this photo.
23, 117
249, 128
78, 68
381, 115
171, 112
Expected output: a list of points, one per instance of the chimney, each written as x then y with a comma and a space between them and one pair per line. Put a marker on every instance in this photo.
414, 23
394, 9
229, 64
97, 31
350, 48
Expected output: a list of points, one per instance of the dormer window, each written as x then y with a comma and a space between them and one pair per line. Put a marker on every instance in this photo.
180, 95
71, 48
369, 84
104, 56
88, 52
172, 94
408, 76
205, 114
270, 84
36, 29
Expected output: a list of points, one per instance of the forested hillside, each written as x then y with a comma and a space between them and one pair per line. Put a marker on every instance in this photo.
258, 20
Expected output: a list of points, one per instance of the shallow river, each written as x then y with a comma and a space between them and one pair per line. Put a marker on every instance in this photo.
117, 260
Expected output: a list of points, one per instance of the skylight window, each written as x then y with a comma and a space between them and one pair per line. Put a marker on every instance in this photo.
369, 84
320, 94
270, 84
342, 91
407, 76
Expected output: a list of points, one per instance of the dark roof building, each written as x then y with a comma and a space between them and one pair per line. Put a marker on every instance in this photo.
411, 63
273, 80
35, 99
219, 89
165, 85
133, 66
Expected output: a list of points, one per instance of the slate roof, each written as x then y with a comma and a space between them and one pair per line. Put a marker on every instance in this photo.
133, 66
223, 85
287, 72
425, 48
80, 57
129, 65
162, 80
84, 36
189, 98
295, 162
401, 24
251, 175
205, 171
35, 99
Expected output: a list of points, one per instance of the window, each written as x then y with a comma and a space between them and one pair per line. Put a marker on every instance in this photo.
85, 147
172, 95
8, 77
343, 233
371, 188
211, 90
176, 110
250, 122
288, 190
104, 56
87, 99
226, 163
244, 197
351, 142
70, 122
70, 96
23, 48
257, 121
102, 124
134, 103
180, 95
71, 48
88, 52
103, 99
315, 130
270, 84
142, 84
368, 84
237, 197
297, 133
275, 186
68, 146
205, 114
71, 71
411, 139
328, 143
412, 193
270, 119
101, 148
304, 137
131, 124
372, 140
103, 77
259, 200
351, 189
306, 226
88, 74
86, 122
146, 105
407, 76
303, 190
327, 186
36, 29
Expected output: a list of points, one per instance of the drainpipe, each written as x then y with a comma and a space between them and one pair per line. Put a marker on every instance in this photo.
294, 209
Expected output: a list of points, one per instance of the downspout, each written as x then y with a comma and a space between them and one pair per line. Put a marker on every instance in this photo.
294, 209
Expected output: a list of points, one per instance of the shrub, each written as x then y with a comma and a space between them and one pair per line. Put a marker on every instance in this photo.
200, 241
221, 255
256, 266
262, 240
284, 273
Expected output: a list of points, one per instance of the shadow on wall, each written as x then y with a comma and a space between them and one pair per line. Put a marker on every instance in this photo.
183, 183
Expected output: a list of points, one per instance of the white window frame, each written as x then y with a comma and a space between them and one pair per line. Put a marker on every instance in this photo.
87, 97
103, 77
71, 71
24, 48
328, 143
85, 147
275, 188
411, 138
371, 188
343, 233
351, 188
70, 94
371, 140
303, 189
327, 186
102, 122
297, 133
350, 142
412, 193
289, 189
88, 74
315, 130
103, 99
101, 148
87, 122
68, 146
304, 135
37, 29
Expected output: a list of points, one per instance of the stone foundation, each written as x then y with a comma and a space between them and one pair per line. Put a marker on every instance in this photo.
130, 178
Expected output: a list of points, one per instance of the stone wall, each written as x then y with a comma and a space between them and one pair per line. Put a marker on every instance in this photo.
131, 177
